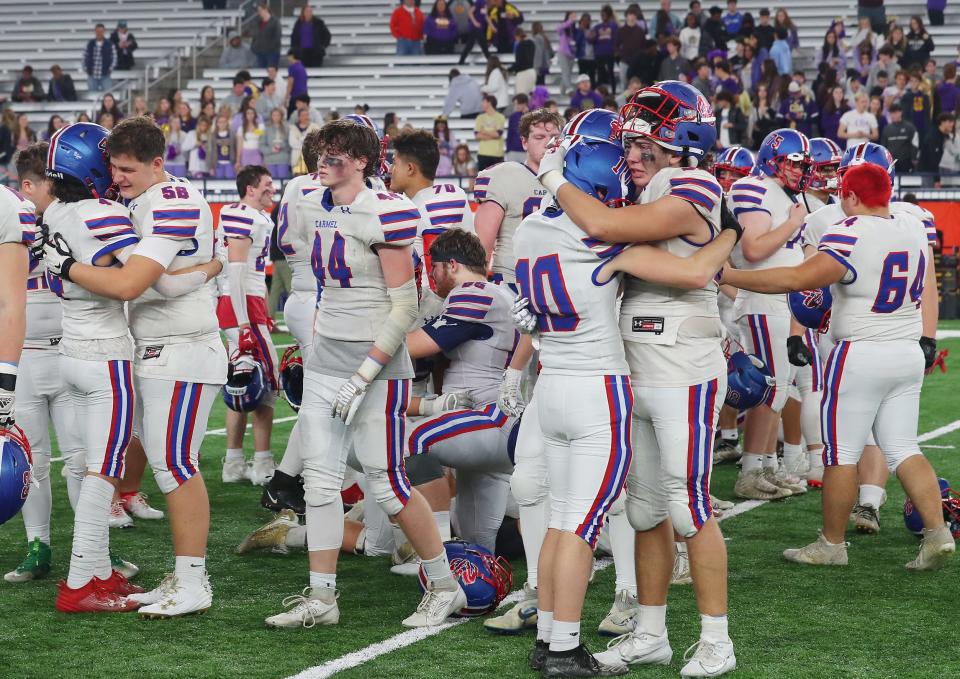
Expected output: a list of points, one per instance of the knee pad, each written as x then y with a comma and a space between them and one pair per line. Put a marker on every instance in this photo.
379, 485
527, 490
682, 519
644, 514
40, 470
320, 489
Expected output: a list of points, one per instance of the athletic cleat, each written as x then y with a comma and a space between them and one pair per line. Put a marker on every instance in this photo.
154, 595
355, 513
819, 553
262, 471
136, 504
538, 655
816, 484
681, 568
405, 560
580, 662
720, 506
753, 485
119, 517
787, 483
118, 584
91, 598
622, 616
179, 600
866, 519
272, 535
726, 450
637, 648
235, 471
936, 548
523, 615
125, 568
314, 606
436, 606
35, 565
283, 492
706, 659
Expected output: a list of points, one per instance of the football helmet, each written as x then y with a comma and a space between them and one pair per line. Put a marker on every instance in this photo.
79, 151
825, 161
596, 124
868, 152
748, 381
674, 115
732, 164
383, 167
15, 462
811, 308
291, 376
246, 383
486, 579
779, 150
951, 511
597, 167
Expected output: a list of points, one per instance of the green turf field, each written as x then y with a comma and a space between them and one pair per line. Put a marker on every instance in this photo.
872, 619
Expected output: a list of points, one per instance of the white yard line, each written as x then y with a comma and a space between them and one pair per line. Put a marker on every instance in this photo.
279, 420
948, 334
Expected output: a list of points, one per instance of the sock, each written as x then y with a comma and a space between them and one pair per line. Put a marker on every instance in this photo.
89, 528
325, 526
323, 580
126, 496
621, 544
234, 454
438, 572
36, 512
751, 461
564, 636
261, 455
872, 495
792, 455
291, 463
103, 567
190, 569
713, 628
816, 463
730, 434
443, 522
770, 461
652, 620
544, 625
533, 530
296, 537
74, 481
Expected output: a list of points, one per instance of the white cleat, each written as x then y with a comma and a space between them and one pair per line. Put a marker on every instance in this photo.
937, 547
119, 517
819, 553
706, 659
681, 568
622, 616
725, 450
792, 482
262, 471
137, 505
235, 471
154, 595
405, 560
272, 535
637, 648
753, 485
522, 616
314, 606
436, 606
179, 600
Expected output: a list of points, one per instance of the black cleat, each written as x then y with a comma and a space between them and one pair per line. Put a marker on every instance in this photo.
578, 662
538, 654
284, 492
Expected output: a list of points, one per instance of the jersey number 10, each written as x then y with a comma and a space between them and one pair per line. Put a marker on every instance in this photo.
544, 286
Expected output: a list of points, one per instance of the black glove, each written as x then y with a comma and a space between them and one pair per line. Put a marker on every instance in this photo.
929, 346
43, 232
798, 351
728, 220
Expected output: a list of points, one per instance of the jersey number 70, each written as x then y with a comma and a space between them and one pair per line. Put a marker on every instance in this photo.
544, 286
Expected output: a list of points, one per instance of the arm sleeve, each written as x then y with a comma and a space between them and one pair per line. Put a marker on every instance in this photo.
450, 332
237, 272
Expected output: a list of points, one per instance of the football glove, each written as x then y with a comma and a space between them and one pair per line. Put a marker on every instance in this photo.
247, 343
57, 256
348, 398
8, 386
433, 404
523, 318
550, 172
798, 352
929, 347
728, 221
510, 400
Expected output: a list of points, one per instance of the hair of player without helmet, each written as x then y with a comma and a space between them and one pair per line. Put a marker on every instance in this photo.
866, 181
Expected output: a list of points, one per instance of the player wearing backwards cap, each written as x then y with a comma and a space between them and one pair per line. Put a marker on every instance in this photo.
875, 262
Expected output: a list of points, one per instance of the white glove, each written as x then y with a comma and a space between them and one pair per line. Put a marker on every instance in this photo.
433, 404
550, 172
58, 257
349, 398
523, 318
8, 386
510, 399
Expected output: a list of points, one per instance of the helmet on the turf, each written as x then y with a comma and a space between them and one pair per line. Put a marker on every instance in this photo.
868, 152
672, 114
949, 498
291, 376
79, 151
748, 381
15, 461
825, 158
781, 149
246, 383
732, 164
485, 579
811, 308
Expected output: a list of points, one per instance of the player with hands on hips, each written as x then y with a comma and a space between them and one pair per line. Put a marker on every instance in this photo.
875, 264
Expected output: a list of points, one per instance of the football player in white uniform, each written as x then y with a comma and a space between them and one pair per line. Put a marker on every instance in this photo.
180, 362
875, 263
677, 367
244, 318
356, 383
18, 221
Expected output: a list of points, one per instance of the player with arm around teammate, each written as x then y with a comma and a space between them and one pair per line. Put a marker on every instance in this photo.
875, 263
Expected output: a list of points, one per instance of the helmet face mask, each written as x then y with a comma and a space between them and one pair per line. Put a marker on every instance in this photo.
673, 115
793, 171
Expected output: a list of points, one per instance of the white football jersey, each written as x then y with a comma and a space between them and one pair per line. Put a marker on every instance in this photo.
817, 223
442, 207
238, 220
18, 218
91, 228
763, 194
176, 211
514, 187
879, 297
294, 238
557, 264
479, 311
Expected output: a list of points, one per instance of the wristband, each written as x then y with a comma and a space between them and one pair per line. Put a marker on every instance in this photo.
553, 180
8, 376
369, 369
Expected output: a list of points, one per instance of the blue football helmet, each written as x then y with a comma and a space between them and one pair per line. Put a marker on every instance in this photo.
731, 164
748, 381
599, 169
79, 151
868, 152
781, 147
672, 114
291, 376
811, 308
246, 383
486, 579
950, 500
15, 461
825, 162
597, 124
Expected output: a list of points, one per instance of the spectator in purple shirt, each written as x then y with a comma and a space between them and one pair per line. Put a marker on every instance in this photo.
947, 92
584, 94
440, 29
296, 80
800, 114
311, 37
515, 150
830, 116
604, 38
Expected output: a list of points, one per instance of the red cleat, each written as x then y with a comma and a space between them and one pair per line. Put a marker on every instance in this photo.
117, 584
814, 484
92, 598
